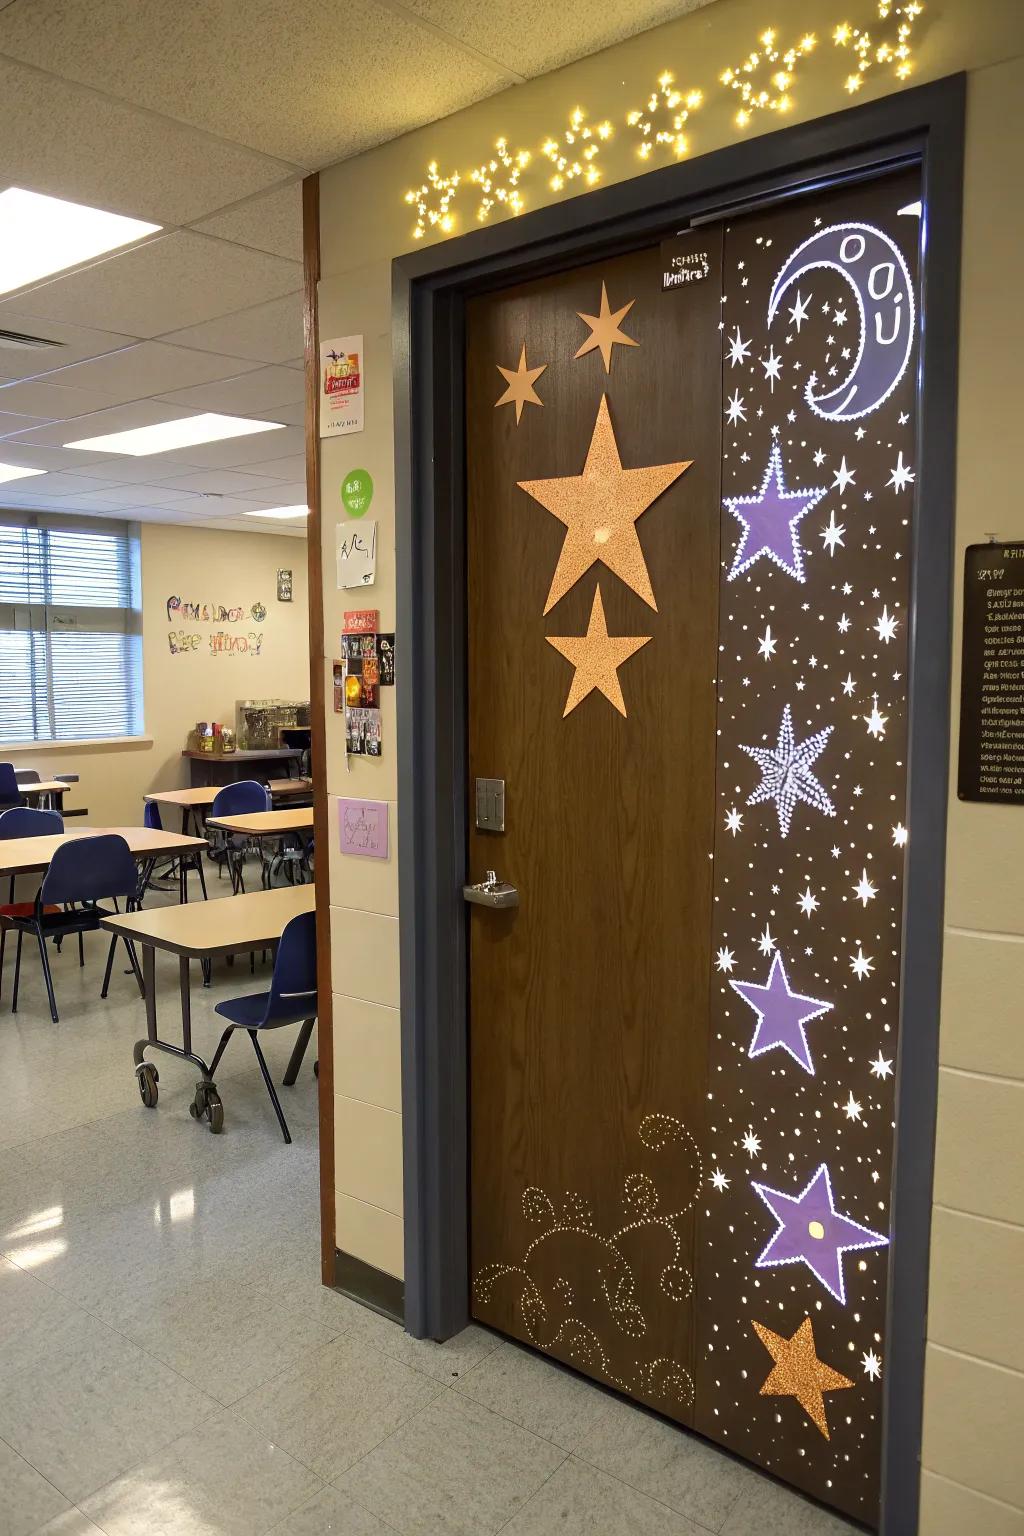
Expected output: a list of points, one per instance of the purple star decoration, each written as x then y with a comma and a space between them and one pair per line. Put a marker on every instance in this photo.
781, 1014
769, 521
787, 775
811, 1231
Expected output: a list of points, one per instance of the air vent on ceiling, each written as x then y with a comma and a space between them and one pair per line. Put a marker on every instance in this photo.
21, 342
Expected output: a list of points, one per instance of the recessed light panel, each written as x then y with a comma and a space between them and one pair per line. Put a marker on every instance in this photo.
16, 472
187, 432
42, 235
282, 513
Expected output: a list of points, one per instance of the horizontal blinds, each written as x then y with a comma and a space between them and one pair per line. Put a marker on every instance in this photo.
70, 642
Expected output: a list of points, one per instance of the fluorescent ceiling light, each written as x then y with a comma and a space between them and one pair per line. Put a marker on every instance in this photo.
42, 235
281, 512
184, 433
15, 472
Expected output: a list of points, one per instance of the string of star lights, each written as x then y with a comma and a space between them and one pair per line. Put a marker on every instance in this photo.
581, 140
676, 105
764, 82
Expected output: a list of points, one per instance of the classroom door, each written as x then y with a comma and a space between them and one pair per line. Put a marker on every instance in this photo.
593, 433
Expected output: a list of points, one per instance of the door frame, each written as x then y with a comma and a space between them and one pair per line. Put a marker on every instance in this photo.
923, 127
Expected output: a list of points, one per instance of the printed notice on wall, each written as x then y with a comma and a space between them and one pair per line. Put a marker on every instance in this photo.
357, 554
342, 386
992, 685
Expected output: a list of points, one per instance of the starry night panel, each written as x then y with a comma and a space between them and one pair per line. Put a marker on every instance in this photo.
819, 356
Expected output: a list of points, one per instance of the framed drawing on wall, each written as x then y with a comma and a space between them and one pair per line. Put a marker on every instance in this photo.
284, 586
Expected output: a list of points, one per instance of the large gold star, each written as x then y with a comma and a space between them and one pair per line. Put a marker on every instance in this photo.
597, 657
604, 330
520, 383
599, 509
798, 1372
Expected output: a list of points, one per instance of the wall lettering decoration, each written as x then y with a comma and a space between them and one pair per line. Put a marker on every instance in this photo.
186, 612
221, 642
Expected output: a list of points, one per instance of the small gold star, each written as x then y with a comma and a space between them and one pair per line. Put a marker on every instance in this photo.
799, 1373
520, 383
600, 508
604, 330
597, 657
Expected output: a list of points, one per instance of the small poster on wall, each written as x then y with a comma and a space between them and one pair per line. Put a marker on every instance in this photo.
342, 383
357, 554
363, 828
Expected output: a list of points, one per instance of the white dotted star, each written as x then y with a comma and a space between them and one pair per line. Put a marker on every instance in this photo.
880, 1067
849, 685
836, 852
736, 409
767, 643
738, 349
899, 835
808, 902
851, 1109
751, 1143
860, 964
832, 533
843, 476
766, 943
726, 959
865, 891
719, 1180
843, 624
786, 772
772, 365
875, 722
872, 1365
819, 457
798, 314
733, 821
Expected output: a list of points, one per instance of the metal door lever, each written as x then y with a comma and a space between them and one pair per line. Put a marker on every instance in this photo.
491, 892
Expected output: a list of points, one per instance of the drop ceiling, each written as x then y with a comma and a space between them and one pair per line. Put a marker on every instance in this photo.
203, 116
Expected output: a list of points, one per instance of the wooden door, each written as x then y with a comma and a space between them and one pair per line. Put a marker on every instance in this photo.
593, 475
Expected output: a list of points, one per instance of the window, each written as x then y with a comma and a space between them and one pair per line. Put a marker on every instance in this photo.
70, 629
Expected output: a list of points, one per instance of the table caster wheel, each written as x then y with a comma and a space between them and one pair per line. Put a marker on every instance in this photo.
147, 1078
215, 1111
197, 1109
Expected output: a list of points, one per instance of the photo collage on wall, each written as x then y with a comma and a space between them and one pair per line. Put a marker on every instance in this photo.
366, 666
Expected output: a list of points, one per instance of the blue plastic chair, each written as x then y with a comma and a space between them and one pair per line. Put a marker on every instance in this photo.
291, 1000
25, 821
82, 873
10, 794
238, 800
181, 867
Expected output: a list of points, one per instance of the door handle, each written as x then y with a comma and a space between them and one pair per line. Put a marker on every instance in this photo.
491, 892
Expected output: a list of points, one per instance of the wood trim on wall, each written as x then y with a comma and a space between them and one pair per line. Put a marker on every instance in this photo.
317, 718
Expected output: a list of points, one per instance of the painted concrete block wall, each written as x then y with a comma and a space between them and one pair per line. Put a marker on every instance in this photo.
973, 1478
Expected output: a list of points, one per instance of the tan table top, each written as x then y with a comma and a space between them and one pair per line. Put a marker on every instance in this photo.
224, 926
265, 823
26, 855
206, 793
44, 787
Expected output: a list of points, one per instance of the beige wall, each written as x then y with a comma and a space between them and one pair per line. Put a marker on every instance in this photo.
975, 1383
236, 569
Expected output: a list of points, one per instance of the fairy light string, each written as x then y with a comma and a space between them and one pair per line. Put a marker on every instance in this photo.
764, 82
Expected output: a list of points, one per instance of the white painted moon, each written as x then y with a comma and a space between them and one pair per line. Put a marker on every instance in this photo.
873, 267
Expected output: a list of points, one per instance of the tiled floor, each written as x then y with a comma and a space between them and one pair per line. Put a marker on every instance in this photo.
170, 1365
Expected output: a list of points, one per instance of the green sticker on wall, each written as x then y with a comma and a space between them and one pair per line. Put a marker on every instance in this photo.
357, 492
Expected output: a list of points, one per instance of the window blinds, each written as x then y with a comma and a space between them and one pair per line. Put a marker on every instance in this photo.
70, 631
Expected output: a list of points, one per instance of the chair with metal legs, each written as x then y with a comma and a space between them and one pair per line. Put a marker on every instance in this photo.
26, 821
291, 1000
239, 799
182, 866
81, 875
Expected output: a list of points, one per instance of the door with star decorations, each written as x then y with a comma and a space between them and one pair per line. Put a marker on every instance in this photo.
689, 516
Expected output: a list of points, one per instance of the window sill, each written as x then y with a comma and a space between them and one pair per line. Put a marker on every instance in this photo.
104, 742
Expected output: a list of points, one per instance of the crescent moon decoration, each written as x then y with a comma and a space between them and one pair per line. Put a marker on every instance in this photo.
877, 274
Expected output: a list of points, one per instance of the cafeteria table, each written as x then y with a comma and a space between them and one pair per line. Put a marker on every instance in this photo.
202, 931
32, 855
261, 824
193, 802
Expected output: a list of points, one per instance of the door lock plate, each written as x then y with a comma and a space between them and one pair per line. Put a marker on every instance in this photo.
490, 805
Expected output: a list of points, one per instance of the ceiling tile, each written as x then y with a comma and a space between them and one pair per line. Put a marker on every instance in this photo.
112, 156
218, 482
533, 36
148, 368
13, 421
261, 390
271, 222
48, 402
178, 280
291, 468
120, 471
284, 493
235, 452
39, 456
326, 73
269, 333
59, 484
75, 343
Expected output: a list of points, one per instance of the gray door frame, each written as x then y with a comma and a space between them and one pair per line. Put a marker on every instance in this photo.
923, 127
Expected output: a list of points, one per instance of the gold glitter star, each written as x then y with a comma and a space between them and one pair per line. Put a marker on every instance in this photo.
599, 509
798, 1372
597, 657
520, 383
604, 330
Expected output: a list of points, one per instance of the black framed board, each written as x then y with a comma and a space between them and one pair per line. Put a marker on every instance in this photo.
992, 682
